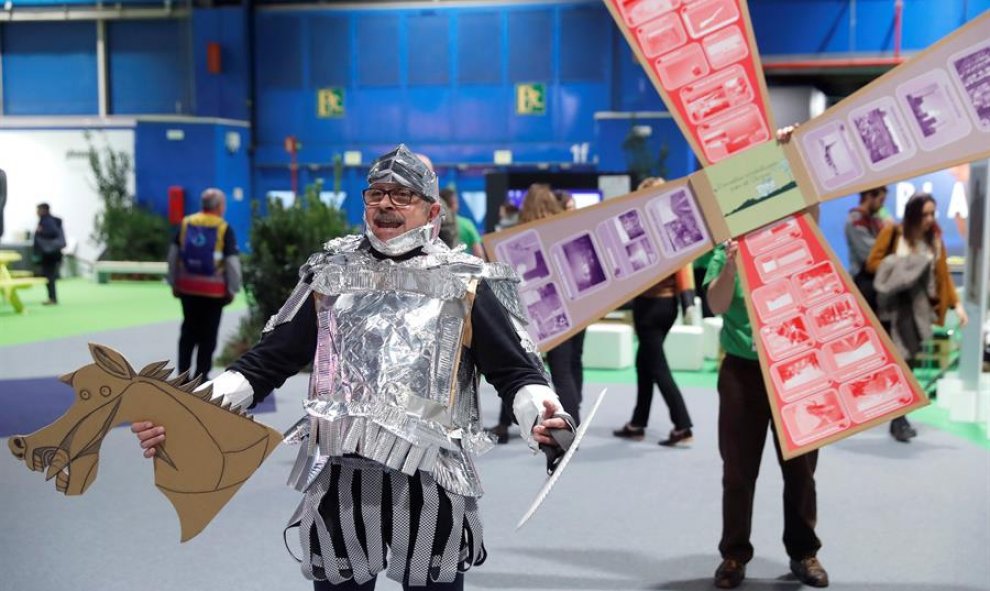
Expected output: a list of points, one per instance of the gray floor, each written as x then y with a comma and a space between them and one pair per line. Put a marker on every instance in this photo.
625, 516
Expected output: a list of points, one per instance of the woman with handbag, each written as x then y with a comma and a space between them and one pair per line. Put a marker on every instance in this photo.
913, 285
654, 314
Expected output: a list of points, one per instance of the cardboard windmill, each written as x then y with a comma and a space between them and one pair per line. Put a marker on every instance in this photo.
210, 450
830, 369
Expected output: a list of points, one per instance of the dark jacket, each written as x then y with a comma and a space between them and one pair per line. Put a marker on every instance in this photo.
49, 239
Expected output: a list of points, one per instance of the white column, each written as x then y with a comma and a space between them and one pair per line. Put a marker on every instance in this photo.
101, 68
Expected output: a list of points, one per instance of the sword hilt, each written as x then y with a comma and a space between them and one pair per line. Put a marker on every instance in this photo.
563, 438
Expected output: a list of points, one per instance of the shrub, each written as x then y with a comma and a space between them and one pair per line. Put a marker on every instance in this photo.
281, 241
126, 229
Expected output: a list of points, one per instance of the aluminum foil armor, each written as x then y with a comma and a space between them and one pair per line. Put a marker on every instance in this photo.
393, 379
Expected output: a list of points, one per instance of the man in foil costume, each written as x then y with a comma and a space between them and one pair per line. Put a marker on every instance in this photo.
398, 328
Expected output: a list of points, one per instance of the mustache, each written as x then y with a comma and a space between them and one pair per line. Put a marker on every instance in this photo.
386, 217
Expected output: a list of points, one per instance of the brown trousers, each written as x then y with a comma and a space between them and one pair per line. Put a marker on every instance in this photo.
743, 417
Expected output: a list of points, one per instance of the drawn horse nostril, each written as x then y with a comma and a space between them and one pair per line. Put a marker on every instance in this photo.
17, 442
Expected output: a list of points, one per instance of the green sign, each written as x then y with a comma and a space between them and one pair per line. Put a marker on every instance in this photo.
531, 99
330, 102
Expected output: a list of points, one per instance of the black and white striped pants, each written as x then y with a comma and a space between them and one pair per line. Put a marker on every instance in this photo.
359, 517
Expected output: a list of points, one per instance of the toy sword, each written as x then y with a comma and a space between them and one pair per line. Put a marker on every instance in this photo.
552, 480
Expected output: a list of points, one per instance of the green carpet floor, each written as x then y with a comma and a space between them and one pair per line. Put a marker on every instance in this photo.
85, 306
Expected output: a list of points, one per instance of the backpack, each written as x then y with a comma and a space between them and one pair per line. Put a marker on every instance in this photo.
199, 248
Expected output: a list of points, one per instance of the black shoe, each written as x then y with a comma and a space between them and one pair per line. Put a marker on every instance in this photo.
629, 432
49, 303
501, 433
810, 572
730, 574
902, 431
678, 437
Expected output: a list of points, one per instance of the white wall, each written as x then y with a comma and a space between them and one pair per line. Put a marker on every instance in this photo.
51, 166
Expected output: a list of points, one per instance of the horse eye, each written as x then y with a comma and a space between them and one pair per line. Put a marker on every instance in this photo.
104, 391
84, 394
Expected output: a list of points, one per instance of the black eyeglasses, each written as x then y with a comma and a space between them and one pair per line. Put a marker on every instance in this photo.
400, 197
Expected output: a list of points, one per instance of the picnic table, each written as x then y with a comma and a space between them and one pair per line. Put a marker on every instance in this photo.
10, 284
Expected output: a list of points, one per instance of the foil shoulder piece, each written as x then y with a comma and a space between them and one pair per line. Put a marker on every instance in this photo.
349, 243
335, 246
462, 263
500, 271
290, 308
507, 294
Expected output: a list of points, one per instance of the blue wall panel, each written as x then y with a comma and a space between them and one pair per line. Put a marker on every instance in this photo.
161, 162
585, 44
428, 48
823, 26
283, 112
278, 52
233, 175
149, 67
429, 113
480, 47
199, 160
477, 108
375, 115
329, 51
379, 61
575, 107
531, 47
810, 26
49, 68
225, 94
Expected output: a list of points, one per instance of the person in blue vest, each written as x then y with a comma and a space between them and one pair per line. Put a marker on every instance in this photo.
205, 272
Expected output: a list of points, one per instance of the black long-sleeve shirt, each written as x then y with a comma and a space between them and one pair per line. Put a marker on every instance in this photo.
495, 348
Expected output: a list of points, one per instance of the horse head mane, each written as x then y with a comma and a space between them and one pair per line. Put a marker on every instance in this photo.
160, 371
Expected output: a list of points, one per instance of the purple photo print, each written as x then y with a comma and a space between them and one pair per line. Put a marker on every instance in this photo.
677, 222
831, 155
934, 113
628, 247
881, 134
547, 313
579, 264
971, 70
524, 253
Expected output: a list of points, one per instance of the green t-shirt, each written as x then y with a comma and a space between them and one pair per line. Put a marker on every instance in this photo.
737, 333
702, 261
467, 232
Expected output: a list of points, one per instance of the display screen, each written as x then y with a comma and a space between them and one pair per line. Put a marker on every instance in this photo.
582, 197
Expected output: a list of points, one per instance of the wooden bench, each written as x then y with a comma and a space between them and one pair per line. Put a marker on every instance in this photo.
104, 269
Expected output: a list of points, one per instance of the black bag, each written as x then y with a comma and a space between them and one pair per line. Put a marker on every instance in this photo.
51, 246
864, 279
864, 282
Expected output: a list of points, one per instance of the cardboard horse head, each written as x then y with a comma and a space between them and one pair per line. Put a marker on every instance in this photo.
210, 451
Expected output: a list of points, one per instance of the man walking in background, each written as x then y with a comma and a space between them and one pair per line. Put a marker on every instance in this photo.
49, 240
863, 224
205, 272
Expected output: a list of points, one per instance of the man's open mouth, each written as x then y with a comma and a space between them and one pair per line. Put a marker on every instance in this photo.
388, 222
